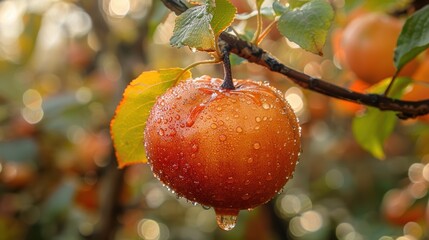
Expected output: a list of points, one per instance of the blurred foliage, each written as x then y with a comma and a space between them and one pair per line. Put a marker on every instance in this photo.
63, 68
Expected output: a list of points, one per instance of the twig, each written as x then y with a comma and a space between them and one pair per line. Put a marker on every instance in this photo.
227, 80
254, 54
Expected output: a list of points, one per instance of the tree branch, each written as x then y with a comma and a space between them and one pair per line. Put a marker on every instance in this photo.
254, 54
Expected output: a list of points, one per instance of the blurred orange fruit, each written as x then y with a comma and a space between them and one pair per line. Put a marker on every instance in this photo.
347, 108
368, 43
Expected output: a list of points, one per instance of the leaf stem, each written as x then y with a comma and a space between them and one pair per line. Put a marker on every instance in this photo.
210, 61
227, 80
386, 92
258, 26
267, 30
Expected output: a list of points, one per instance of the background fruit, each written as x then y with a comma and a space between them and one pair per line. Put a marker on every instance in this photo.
229, 149
368, 43
347, 108
420, 87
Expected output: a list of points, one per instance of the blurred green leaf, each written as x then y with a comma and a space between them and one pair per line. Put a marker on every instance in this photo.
297, 3
28, 38
193, 29
22, 151
128, 125
373, 127
308, 25
59, 202
385, 5
223, 15
414, 38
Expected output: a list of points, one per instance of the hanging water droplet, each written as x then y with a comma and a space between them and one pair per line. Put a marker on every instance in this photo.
205, 207
226, 222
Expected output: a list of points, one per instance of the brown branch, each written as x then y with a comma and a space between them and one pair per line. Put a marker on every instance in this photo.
254, 54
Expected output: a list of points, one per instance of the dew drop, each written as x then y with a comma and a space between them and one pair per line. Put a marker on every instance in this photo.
213, 126
205, 207
247, 182
226, 222
222, 137
161, 132
219, 108
194, 148
266, 106
239, 129
250, 160
245, 196
256, 145
258, 119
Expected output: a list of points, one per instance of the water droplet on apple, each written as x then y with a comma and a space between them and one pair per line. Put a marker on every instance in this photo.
258, 119
222, 137
250, 160
256, 145
194, 148
266, 106
161, 132
245, 196
239, 129
213, 126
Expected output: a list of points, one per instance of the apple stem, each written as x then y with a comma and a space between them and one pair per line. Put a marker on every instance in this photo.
227, 80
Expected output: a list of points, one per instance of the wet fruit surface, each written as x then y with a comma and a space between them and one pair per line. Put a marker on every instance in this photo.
228, 149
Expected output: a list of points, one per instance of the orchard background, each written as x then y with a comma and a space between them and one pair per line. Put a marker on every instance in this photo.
65, 64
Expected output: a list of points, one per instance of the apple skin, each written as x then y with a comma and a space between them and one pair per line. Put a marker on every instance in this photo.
227, 149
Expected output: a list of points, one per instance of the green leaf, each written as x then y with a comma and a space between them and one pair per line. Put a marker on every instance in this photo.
193, 29
128, 125
279, 8
373, 127
223, 16
414, 38
308, 25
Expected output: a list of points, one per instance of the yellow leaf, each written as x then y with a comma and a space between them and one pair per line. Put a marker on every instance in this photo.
129, 122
